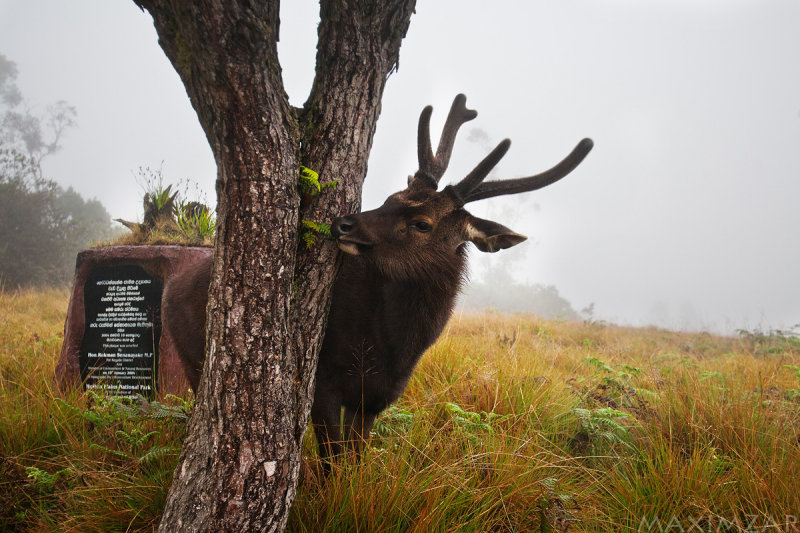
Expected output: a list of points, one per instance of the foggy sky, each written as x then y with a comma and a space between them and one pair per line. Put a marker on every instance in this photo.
684, 215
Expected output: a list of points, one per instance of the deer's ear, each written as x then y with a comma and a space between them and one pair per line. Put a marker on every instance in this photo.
490, 236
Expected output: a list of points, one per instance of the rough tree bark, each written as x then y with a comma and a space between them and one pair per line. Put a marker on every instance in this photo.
268, 297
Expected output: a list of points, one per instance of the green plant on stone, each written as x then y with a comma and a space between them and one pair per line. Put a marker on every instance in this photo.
162, 198
195, 220
169, 219
158, 203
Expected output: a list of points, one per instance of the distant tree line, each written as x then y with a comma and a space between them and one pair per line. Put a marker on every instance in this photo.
42, 226
514, 297
501, 291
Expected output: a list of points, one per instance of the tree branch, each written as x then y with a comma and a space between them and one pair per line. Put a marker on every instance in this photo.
358, 46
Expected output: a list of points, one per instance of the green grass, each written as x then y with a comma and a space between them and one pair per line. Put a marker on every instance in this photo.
509, 424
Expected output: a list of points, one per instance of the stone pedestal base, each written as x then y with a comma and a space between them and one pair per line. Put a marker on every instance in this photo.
159, 262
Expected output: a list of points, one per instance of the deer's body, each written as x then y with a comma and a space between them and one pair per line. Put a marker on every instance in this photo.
369, 350
365, 363
403, 266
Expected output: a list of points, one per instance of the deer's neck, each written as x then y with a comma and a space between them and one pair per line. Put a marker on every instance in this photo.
399, 318
422, 310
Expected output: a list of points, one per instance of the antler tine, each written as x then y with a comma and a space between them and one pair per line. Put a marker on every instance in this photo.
430, 167
459, 114
490, 189
464, 187
427, 163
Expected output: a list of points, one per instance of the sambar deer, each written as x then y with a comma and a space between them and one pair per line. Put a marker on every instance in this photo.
404, 265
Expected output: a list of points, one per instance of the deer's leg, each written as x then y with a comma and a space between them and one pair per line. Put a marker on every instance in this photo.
357, 424
326, 415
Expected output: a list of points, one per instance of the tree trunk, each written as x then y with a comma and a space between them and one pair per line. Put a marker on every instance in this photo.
269, 295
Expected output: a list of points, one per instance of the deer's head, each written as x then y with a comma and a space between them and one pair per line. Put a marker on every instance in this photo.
420, 226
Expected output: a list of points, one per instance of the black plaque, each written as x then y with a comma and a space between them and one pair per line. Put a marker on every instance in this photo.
122, 330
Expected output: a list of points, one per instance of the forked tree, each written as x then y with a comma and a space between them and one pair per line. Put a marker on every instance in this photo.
268, 298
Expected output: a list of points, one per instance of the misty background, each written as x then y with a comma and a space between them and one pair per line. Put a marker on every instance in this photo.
685, 215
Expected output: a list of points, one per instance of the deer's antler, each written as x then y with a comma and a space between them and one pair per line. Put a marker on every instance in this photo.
472, 187
432, 168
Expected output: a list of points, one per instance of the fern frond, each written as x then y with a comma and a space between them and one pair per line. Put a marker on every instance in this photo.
157, 452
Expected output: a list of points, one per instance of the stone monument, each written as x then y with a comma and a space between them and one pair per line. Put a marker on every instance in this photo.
113, 335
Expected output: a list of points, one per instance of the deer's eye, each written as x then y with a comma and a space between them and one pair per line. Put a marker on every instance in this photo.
421, 226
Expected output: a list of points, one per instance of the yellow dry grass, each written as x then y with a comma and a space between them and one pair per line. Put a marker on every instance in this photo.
510, 423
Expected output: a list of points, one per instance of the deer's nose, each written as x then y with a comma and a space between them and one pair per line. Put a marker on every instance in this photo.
343, 226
